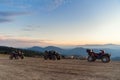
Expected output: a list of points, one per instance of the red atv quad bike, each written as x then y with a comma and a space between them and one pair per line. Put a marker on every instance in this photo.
92, 56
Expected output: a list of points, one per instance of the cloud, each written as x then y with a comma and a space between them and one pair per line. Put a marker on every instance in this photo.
56, 4
7, 16
34, 5
26, 29
5, 20
12, 41
30, 28
18, 4
26, 7
22, 41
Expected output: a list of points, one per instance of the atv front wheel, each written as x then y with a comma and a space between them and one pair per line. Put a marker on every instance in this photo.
105, 59
22, 57
10, 57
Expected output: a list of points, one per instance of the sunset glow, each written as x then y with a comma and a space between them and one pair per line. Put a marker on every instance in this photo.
26, 23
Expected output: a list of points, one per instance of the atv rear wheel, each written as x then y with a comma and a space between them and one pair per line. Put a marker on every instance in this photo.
45, 57
53, 57
91, 59
58, 57
105, 59
22, 57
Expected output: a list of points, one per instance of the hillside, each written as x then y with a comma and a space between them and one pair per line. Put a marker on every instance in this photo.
38, 51
74, 51
28, 53
39, 69
79, 50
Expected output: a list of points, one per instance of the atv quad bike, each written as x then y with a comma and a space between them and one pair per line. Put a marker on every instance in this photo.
51, 55
92, 56
13, 56
16, 56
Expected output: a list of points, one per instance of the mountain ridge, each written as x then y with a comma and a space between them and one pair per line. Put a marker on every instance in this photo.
111, 46
77, 50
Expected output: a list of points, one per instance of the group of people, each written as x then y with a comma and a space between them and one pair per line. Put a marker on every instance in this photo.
17, 54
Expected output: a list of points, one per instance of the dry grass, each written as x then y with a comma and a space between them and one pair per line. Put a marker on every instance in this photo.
39, 69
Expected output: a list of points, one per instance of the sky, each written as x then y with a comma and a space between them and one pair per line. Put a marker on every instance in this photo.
26, 23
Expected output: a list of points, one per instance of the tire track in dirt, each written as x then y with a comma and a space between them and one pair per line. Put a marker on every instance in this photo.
39, 69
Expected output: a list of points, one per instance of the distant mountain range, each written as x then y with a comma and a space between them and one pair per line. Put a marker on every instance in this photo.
113, 49
110, 46
74, 51
116, 59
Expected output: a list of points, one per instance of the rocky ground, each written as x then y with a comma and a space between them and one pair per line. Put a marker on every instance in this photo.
39, 69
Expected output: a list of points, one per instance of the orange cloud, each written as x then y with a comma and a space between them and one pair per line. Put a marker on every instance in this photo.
12, 41
22, 42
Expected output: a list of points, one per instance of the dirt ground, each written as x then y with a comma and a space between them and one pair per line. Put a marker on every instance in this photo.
39, 69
